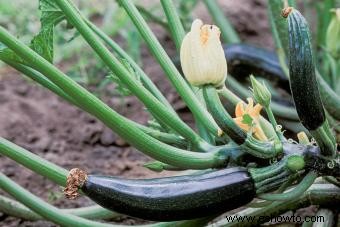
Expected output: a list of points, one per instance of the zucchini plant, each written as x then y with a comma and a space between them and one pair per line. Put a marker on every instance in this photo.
236, 158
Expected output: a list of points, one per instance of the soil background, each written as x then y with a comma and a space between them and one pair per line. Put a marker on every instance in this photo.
39, 121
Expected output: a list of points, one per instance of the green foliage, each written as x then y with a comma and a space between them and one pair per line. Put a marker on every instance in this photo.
51, 15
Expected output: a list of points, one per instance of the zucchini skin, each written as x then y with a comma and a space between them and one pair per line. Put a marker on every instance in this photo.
245, 59
173, 198
303, 82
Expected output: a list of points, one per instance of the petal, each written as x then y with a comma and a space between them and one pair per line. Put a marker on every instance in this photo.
239, 109
243, 126
255, 111
249, 105
260, 134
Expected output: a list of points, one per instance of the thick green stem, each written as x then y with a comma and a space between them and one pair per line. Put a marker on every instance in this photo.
229, 34
325, 139
260, 174
153, 104
228, 125
329, 98
148, 84
294, 193
178, 33
272, 120
33, 162
167, 138
42, 80
175, 24
262, 149
44, 209
279, 28
15, 209
222, 117
112, 119
147, 13
169, 68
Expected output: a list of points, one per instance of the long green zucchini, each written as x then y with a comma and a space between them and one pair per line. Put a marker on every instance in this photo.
303, 82
173, 198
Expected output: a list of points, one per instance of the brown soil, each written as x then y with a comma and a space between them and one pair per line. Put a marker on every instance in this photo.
37, 120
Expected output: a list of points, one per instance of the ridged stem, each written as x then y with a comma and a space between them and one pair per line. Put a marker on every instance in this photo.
15, 209
178, 33
154, 105
272, 120
148, 84
325, 139
44, 209
222, 117
167, 138
294, 193
330, 99
228, 125
229, 35
169, 68
33, 162
261, 174
112, 119
175, 24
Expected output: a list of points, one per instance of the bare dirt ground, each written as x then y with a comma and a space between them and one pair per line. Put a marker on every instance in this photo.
37, 120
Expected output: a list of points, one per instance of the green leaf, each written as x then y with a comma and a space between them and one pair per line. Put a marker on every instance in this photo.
121, 88
42, 43
247, 119
51, 15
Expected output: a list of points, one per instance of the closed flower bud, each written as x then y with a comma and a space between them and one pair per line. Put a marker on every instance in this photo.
202, 56
295, 163
260, 92
333, 33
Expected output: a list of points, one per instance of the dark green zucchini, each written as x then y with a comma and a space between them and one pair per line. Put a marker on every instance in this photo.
245, 59
303, 81
173, 198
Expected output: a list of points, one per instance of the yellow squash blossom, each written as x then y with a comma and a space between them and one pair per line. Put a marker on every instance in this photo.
202, 56
254, 112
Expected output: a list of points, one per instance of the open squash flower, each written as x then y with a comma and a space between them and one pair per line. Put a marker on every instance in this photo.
243, 109
202, 56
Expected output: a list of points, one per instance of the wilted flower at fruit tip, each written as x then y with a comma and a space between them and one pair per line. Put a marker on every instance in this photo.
202, 56
333, 33
260, 92
242, 109
303, 138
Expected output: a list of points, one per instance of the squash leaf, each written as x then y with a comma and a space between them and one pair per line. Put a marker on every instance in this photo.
42, 43
51, 15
